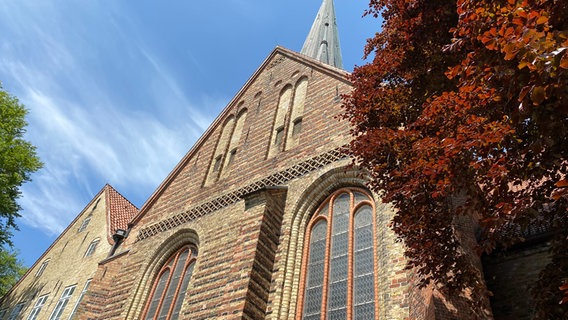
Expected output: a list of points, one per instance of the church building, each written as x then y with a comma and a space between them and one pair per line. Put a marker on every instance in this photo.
264, 218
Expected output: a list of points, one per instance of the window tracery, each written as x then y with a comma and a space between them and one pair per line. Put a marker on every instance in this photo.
339, 271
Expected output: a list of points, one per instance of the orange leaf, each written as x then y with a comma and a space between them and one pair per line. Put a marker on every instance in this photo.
562, 184
542, 20
564, 60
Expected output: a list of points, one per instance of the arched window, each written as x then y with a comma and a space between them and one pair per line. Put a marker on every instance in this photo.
170, 285
339, 268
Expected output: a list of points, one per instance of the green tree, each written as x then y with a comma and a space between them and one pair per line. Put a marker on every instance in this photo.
11, 270
464, 112
18, 160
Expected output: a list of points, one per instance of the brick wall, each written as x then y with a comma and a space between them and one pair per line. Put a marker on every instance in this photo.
510, 275
250, 243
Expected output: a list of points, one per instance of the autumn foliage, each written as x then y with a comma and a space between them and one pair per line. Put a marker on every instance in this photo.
463, 112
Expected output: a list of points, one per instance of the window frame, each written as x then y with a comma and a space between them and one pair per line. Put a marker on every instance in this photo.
170, 267
40, 302
85, 223
62, 302
319, 215
16, 311
85, 288
92, 247
42, 267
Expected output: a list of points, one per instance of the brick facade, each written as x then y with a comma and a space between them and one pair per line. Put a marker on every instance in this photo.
245, 203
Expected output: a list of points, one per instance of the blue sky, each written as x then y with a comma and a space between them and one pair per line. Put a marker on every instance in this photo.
118, 91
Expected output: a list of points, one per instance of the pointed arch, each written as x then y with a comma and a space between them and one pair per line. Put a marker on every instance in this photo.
157, 266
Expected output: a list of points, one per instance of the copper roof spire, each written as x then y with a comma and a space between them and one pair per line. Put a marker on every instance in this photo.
322, 42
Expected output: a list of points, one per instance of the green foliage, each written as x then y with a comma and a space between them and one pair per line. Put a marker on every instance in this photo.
18, 160
464, 112
11, 270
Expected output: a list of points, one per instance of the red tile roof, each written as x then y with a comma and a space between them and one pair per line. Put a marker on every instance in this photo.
119, 211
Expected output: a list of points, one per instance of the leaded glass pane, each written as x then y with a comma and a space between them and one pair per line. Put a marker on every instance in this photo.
360, 197
157, 295
315, 271
312, 302
324, 210
174, 283
363, 265
363, 289
364, 311
339, 314
339, 263
182, 291
339, 270
341, 214
337, 295
364, 217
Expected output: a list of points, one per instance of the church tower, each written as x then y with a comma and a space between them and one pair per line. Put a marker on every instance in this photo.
322, 42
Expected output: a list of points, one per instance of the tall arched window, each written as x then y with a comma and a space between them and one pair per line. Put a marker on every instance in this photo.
170, 286
339, 268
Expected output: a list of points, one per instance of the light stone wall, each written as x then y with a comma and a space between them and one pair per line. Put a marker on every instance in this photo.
67, 264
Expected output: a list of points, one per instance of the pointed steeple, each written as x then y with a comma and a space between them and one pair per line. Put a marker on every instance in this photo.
322, 42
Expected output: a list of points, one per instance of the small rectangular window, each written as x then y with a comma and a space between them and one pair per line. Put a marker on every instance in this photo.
42, 268
279, 136
217, 165
62, 303
232, 156
92, 247
85, 223
37, 307
297, 127
16, 311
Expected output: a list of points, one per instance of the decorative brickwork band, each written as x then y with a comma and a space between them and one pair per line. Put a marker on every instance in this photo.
275, 179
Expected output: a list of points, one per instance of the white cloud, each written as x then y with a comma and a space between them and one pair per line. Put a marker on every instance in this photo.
84, 136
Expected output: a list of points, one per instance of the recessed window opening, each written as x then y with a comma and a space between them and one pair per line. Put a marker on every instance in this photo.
217, 165
85, 223
279, 136
16, 311
92, 247
297, 127
42, 268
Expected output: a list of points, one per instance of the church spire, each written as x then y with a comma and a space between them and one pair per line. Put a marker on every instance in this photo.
322, 42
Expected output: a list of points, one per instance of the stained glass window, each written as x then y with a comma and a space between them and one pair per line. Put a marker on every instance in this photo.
339, 275
171, 285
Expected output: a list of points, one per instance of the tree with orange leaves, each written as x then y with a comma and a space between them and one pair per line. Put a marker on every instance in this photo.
463, 111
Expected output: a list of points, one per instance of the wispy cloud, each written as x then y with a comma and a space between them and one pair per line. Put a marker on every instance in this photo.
84, 134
